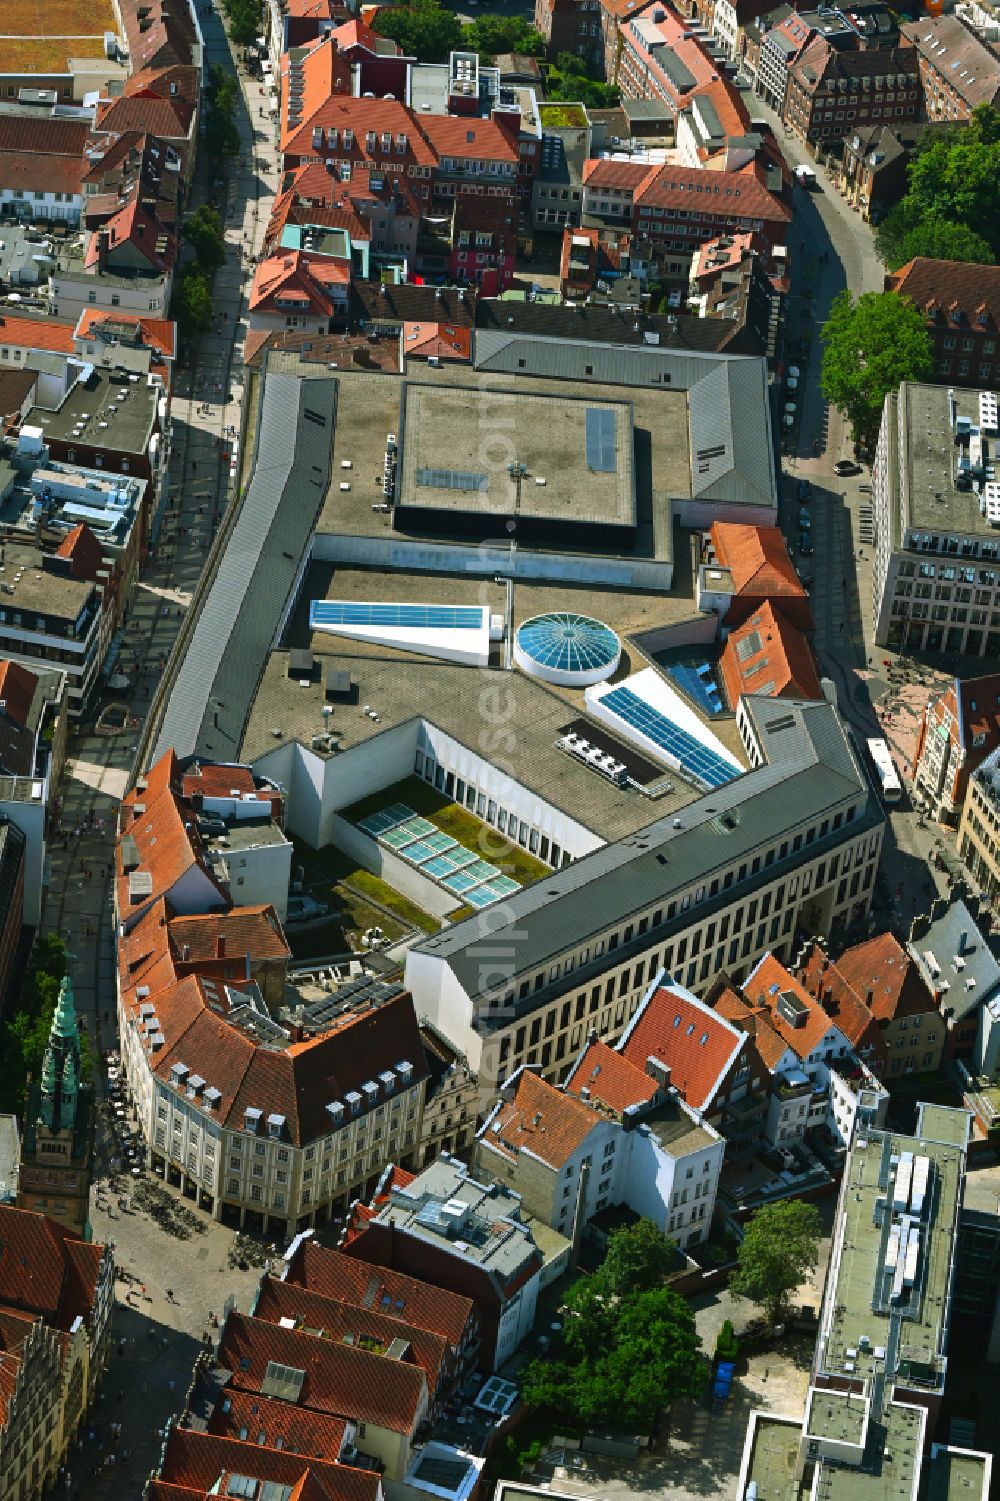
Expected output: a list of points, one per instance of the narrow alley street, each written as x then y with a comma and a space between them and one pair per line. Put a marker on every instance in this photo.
156, 1338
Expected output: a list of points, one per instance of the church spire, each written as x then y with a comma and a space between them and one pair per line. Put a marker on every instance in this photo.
61, 1067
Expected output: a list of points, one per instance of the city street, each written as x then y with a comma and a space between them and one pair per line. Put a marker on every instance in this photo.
161, 1336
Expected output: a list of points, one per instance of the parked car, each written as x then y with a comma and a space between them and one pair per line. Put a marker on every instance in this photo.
805, 520
306, 909
675, 297
806, 548
803, 490
807, 580
846, 466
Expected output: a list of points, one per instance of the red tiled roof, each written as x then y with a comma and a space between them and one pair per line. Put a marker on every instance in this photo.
253, 931
45, 1269
361, 1285
611, 1078
758, 560
355, 33
168, 847
443, 341
283, 1424
696, 1044
22, 173
134, 226
292, 274
17, 690
83, 548
170, 82
767, 654
883, 977
338, 1321
705, 191
34, 135
170, 118
197, 1462
763, 988
603, 172
755, 1022
541, 1119
341, 1379
37, 333
463, 136
157, 333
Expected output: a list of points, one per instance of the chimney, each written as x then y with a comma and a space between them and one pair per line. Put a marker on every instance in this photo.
103, 246
963, 940
186, 953
869, 997
220, 947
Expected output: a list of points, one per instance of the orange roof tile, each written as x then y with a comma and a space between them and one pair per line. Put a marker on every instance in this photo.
355, 1282
462, 136
443, 341
342, 1379
698, 1046
766, 984
544, 1120
84, 550
610, 1078
758, 560
312, 1312
196, 1463
282, 1424
884, 978
158, 333
37, 333
254, 931
44, 1269
17, 690
769, 655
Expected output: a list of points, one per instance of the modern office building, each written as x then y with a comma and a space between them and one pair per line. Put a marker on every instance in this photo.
881, 1358
787, 849
936, 579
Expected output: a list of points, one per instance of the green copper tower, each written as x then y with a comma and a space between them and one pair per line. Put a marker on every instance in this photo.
61, 1068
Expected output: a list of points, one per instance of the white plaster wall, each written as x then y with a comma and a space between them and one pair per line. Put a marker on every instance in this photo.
404, 878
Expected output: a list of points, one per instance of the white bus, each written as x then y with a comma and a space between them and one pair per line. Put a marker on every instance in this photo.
885, 770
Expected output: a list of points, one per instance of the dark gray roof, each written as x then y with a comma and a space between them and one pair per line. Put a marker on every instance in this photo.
954, 957
239, 616
811, 769
603, 324
645, 110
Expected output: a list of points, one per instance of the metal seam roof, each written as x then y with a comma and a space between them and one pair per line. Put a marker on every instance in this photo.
211, 698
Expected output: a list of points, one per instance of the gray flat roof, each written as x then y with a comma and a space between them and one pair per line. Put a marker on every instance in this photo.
482, 1222
368, 409
932, 502
56, 595
811, 769
446, 452
114, 412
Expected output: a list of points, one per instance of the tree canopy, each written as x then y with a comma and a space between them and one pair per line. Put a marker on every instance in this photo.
24, 1038
779, 1250
869, 347
629, 1344
423, 29
204, 230
489, 35
191, 303
222, 135
954, 182
245, 19
571, 78
638, 1258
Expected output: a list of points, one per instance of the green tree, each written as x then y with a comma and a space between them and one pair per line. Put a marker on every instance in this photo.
489, 35
639, 1257
245, 20
424, 29
941, 240
205, 231
869, 347
222, 136
623, 1361
779, 1250
191, 304
574, 78
23, 1039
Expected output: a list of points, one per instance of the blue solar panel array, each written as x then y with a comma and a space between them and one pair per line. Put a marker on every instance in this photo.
567, 642
601, 456
411, 617
693, 757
